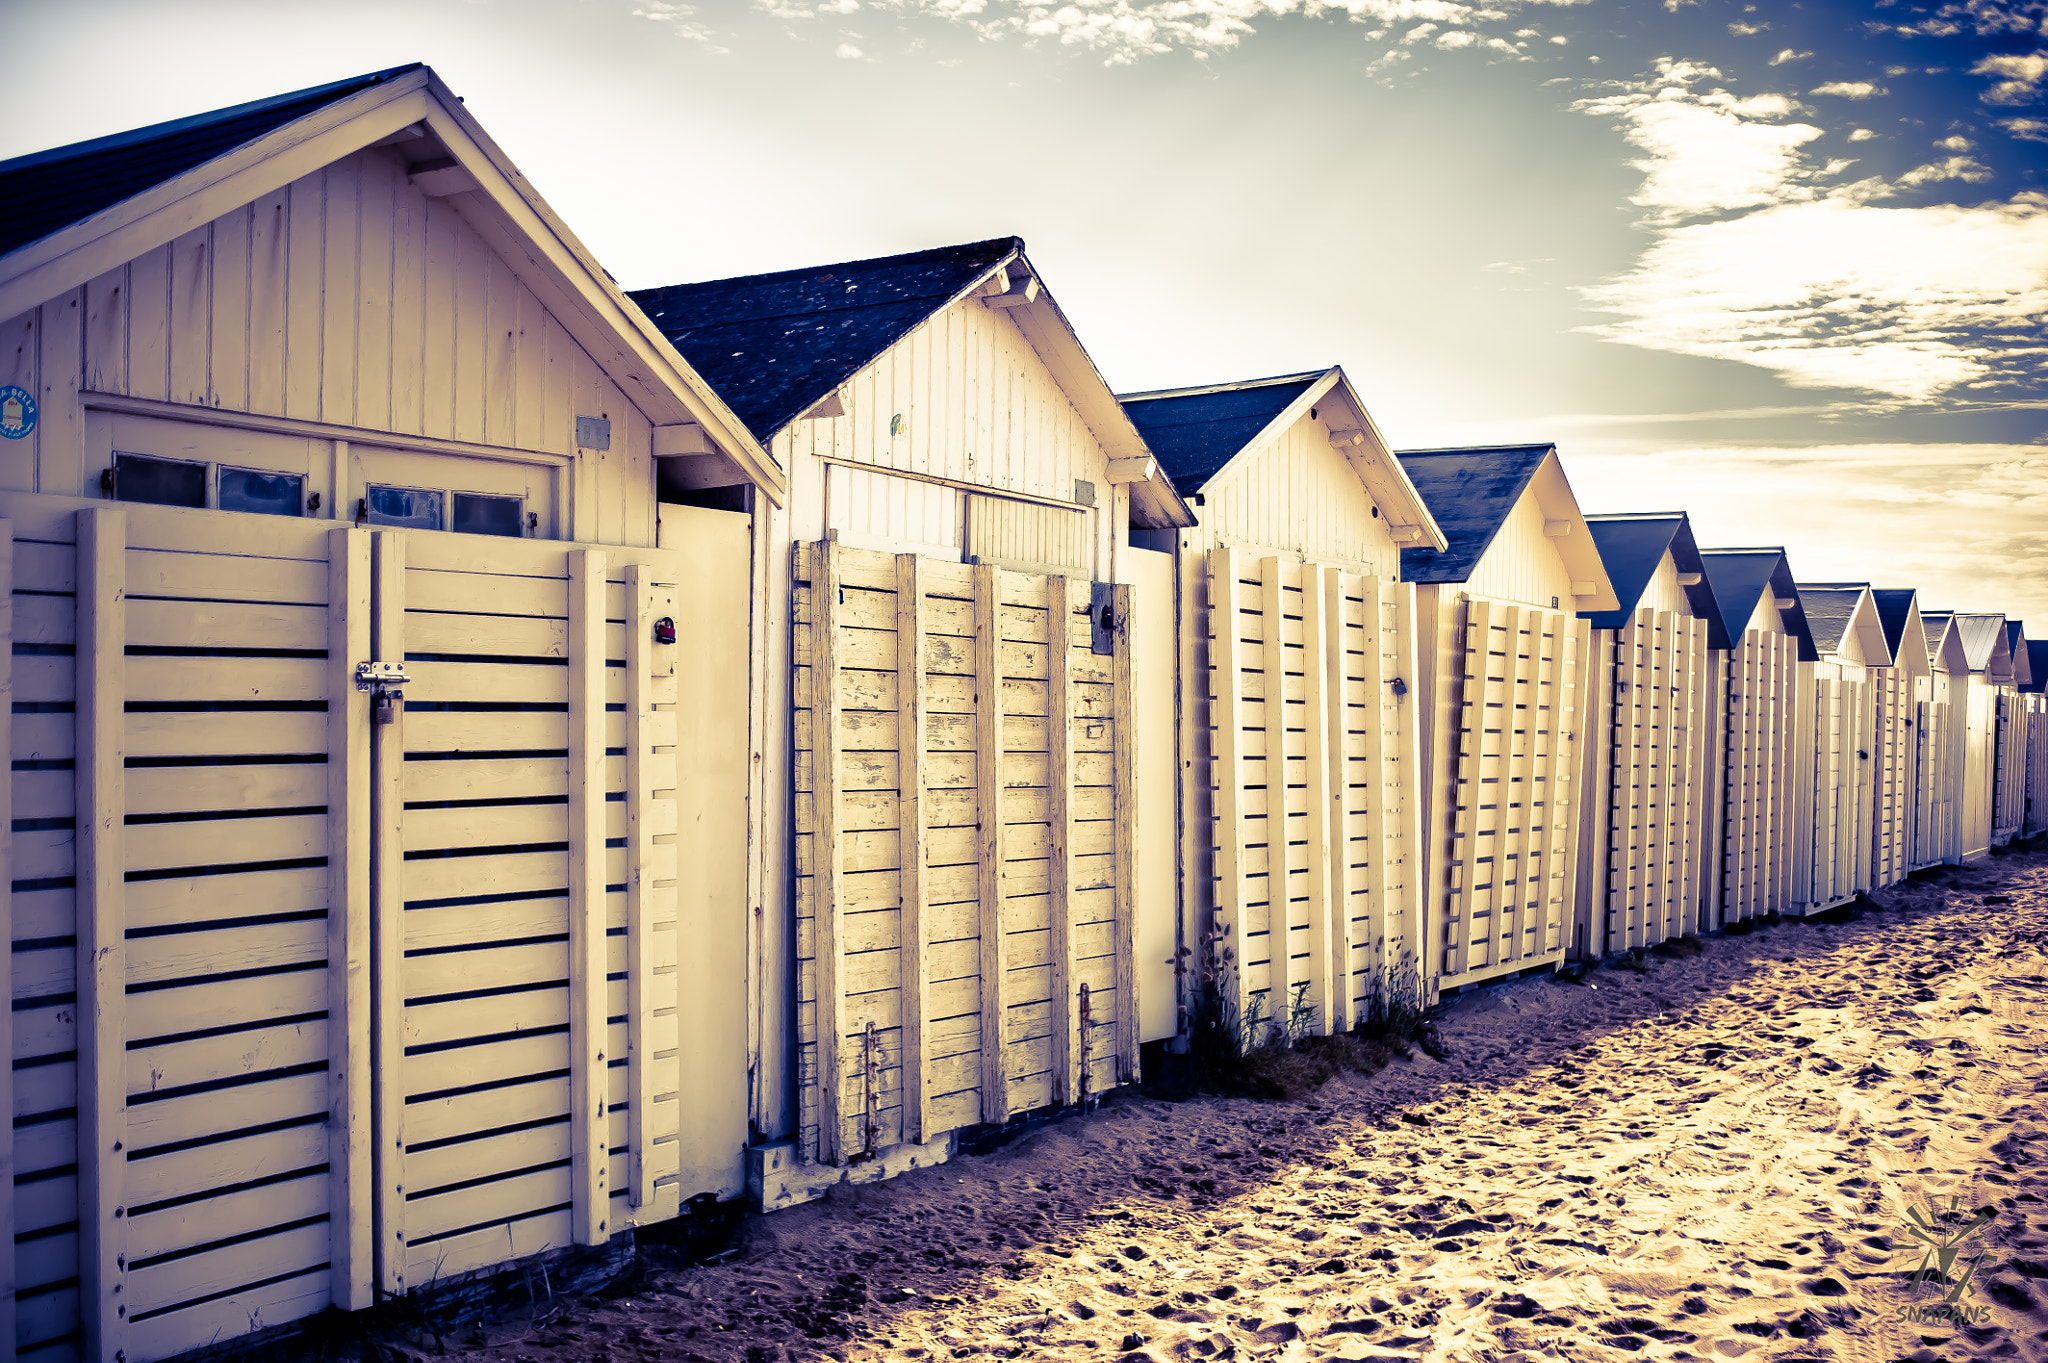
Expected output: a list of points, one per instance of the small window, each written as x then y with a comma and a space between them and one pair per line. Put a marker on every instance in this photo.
410, 507
161, 482
478, 513
267, 494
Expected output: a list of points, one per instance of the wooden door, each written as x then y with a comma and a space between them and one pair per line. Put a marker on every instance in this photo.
1756, 862
1314, 763
965, 838
1511, 805
1653, 782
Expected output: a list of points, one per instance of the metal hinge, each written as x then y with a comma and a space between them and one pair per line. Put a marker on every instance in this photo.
371, 675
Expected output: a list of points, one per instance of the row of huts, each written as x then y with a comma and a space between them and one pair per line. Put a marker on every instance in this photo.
498, 761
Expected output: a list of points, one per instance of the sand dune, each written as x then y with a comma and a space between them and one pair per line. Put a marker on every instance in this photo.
1712, 1159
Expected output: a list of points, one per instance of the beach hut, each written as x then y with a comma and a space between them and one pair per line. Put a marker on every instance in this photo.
1650, 713
1940, 728
1771, 652
1896, 733
353, 766
1836, 800
975, 668
2009, 794
1990, 664
1503, 660
1301, 823
2035, 693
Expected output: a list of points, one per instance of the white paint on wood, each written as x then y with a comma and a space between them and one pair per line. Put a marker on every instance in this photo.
588, 1001
387, 924
8, 1164
352, 1262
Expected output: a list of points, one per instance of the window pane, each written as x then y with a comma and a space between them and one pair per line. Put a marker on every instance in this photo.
163, 482
477, 514
269, 494
411, 507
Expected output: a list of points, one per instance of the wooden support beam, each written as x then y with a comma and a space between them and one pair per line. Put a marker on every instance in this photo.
387, 922
1226, 711
1124, 705
1279, 832
991, 846
1068, 1044
350, 1047
641, 614
589, 1075
1418, 857
914, 936
1378, 723
1324, 783
827, 938
102, 977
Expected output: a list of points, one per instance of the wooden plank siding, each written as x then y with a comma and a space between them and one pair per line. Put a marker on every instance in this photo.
1937, 725
1835, 803
2036, 820
1509, 807
1891, 784
1756, 858
894, 833
349, 299
2009, 796
1299, 497
1314, 759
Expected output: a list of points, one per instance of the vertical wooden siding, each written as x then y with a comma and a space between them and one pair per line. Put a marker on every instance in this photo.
1522, 563
1300, 495
347, 297
1756, 859
1509, 814
1313, 783
1838, 806
2037, 764
2009, 800
1891, 786
1937, 752
941, 963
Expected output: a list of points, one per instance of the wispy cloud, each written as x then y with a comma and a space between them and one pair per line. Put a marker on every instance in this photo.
2015, 79
679, 19
1848, 89
2029, 129
1789, 55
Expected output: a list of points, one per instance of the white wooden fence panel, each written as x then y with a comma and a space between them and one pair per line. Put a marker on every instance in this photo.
1756, 861
1891, 755
2009, 800
2037, 764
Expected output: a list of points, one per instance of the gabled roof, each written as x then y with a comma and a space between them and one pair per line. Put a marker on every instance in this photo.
777, 345
2022, 657
1199, 435
1632, 547
48, 190
2037, 665
99, 204
1471, 493
1839, 612
1984, 644
1740, 577
1905, 632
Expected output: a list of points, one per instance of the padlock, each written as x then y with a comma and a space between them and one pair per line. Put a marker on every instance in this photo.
389, 704
664, 631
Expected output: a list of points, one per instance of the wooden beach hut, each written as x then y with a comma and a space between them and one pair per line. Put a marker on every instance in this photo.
1650, 713
1896, 734
2034, 692
1836, 800
352, 766
1771, 652
1938, 762
1504, 658
974, 664
1301, 833
1990, 675
2009, 795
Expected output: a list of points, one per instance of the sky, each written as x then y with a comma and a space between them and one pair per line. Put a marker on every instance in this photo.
1781, 265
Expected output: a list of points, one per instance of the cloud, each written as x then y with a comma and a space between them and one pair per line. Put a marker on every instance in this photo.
1833, 293
1964, 168
679, 19
1848, 89
1747, 30
848, 52
1861, 135
2031, 129
1788, 55
2019, 79
1955, 144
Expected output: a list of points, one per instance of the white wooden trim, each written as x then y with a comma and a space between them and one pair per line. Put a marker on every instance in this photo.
387, 920
1125, 737
1226, 709
1068, 1043
1279, 867
589, 1079
229, 419
826, 950
914, 934
1420, 857
350, 1054
640, 959
957, 484
1328, 955
7, 1219
102, 920
988, 780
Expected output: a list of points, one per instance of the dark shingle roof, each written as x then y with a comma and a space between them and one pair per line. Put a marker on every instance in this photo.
1195, 432
2037, 664
1470, 492
1631, 548
1740, 577
1936, 624
2022, 656
773, 345
1829, 611
1894, 606
47, 191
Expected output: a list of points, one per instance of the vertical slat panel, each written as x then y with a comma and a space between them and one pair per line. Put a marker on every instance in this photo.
914, 936
1519, 870
993, 853
589, 1079
102, 973
640, 958
350, 1054
1413, 769
1318, 591
1332, 603
1371, 721
7, 1164
1124, 704
1226, 706
387, 921
1067, 1043
1279, 840
827, 947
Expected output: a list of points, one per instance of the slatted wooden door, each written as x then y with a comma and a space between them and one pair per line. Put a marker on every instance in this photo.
1511, 806
1891, 752
2037, 764
1756, 858
1939, 751
966, 859
1315, 759
525, 900
1655, 780
1838, 810
2009, 798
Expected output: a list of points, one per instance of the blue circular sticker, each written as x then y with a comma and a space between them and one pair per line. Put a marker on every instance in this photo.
17, 412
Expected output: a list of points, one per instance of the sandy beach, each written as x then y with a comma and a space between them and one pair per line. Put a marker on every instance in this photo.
1712, 1157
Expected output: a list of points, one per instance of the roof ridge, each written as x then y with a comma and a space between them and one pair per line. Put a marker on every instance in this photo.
1013, 242
1235, 385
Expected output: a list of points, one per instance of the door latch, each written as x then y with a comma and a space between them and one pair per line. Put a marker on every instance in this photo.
383, 681
1102, 622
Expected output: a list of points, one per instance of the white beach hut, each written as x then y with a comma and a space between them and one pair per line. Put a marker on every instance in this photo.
2009, 793
2034, 692
1938, 760
1835, 850
1896, 734
1990, 675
